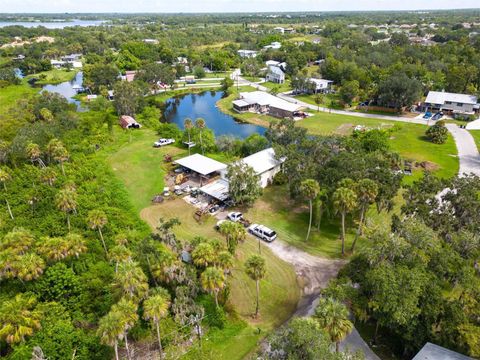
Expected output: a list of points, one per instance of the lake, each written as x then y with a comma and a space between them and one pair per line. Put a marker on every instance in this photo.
203, 105
52, 24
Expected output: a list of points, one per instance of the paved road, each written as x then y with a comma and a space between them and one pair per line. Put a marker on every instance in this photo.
315, 273
467, 150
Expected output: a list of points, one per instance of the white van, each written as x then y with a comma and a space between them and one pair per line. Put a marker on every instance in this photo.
262, 232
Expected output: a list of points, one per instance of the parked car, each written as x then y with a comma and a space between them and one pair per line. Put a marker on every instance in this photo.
163, 142
234, 216
437, 116
179, 170
166, 191
427, 115
186, 189
262, 232
177, 190
194, 192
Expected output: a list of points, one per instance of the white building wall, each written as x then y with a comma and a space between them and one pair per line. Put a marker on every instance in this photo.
267, 176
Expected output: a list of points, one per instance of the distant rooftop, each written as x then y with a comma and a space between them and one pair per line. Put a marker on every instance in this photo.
440, 97
434, 352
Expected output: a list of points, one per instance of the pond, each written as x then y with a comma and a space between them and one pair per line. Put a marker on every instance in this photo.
203, 105
67, 89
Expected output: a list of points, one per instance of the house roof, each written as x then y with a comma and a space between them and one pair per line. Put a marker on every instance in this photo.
262, 98
262, 161
321, 83
440, 97
201, 164
217, 189
434, 352
276, 70
240, 103
272, 63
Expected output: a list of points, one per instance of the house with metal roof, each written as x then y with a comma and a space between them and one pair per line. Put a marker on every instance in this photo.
263, 102
434, 352
451, 102
275, 74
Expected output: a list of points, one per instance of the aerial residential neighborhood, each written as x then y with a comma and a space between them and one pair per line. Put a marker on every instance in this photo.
271, 180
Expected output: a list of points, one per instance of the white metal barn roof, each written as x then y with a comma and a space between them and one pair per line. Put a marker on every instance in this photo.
200, 164
262, 161
439, 97
262, 98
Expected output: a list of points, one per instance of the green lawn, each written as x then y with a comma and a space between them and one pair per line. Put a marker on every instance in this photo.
140, 166
281, 87
408, 140
290, 220
329, 100
54, 76
476, 136
279, 290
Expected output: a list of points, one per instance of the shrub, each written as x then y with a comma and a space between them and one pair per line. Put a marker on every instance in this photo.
437, 133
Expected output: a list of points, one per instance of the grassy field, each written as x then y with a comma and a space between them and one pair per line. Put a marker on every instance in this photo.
141, 167
329, 100
290, 221
10, 94
408, 140
54, 76
279, 290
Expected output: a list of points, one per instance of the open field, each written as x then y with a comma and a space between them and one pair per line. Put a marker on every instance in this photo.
290, 220
54, 76
281, 87
10, 94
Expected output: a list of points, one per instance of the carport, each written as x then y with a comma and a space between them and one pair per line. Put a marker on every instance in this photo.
205, 167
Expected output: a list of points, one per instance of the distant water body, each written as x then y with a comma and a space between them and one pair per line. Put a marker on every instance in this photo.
52, 24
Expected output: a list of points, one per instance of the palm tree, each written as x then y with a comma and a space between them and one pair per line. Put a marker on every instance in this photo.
255, 268
118, 254
131, 280
128, 317
58, 152
53, 248
203, 255
318, 100
4, 177
155, 308
18, 241
110, 330
48, 176
29, 267
309, 189
75, 245
333, 317
224, 261
344, 201
234, 233
19, 318
97, 220
367, 191
66, 201
213, 281
200, 124
33, 152
188, 125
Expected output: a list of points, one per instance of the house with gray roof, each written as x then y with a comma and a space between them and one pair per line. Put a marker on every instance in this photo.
434, 352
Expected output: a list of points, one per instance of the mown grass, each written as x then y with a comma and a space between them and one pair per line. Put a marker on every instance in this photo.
290, 220
54, 76
476, 137
279, 290
408, 140
280, 87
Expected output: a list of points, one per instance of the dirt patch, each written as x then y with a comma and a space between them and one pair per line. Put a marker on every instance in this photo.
427, 165
344, 129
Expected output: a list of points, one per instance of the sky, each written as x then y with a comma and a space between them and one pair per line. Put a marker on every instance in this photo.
166, 6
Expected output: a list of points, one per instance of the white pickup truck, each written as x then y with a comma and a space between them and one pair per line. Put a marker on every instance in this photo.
234, 216
163, 142
262, 232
